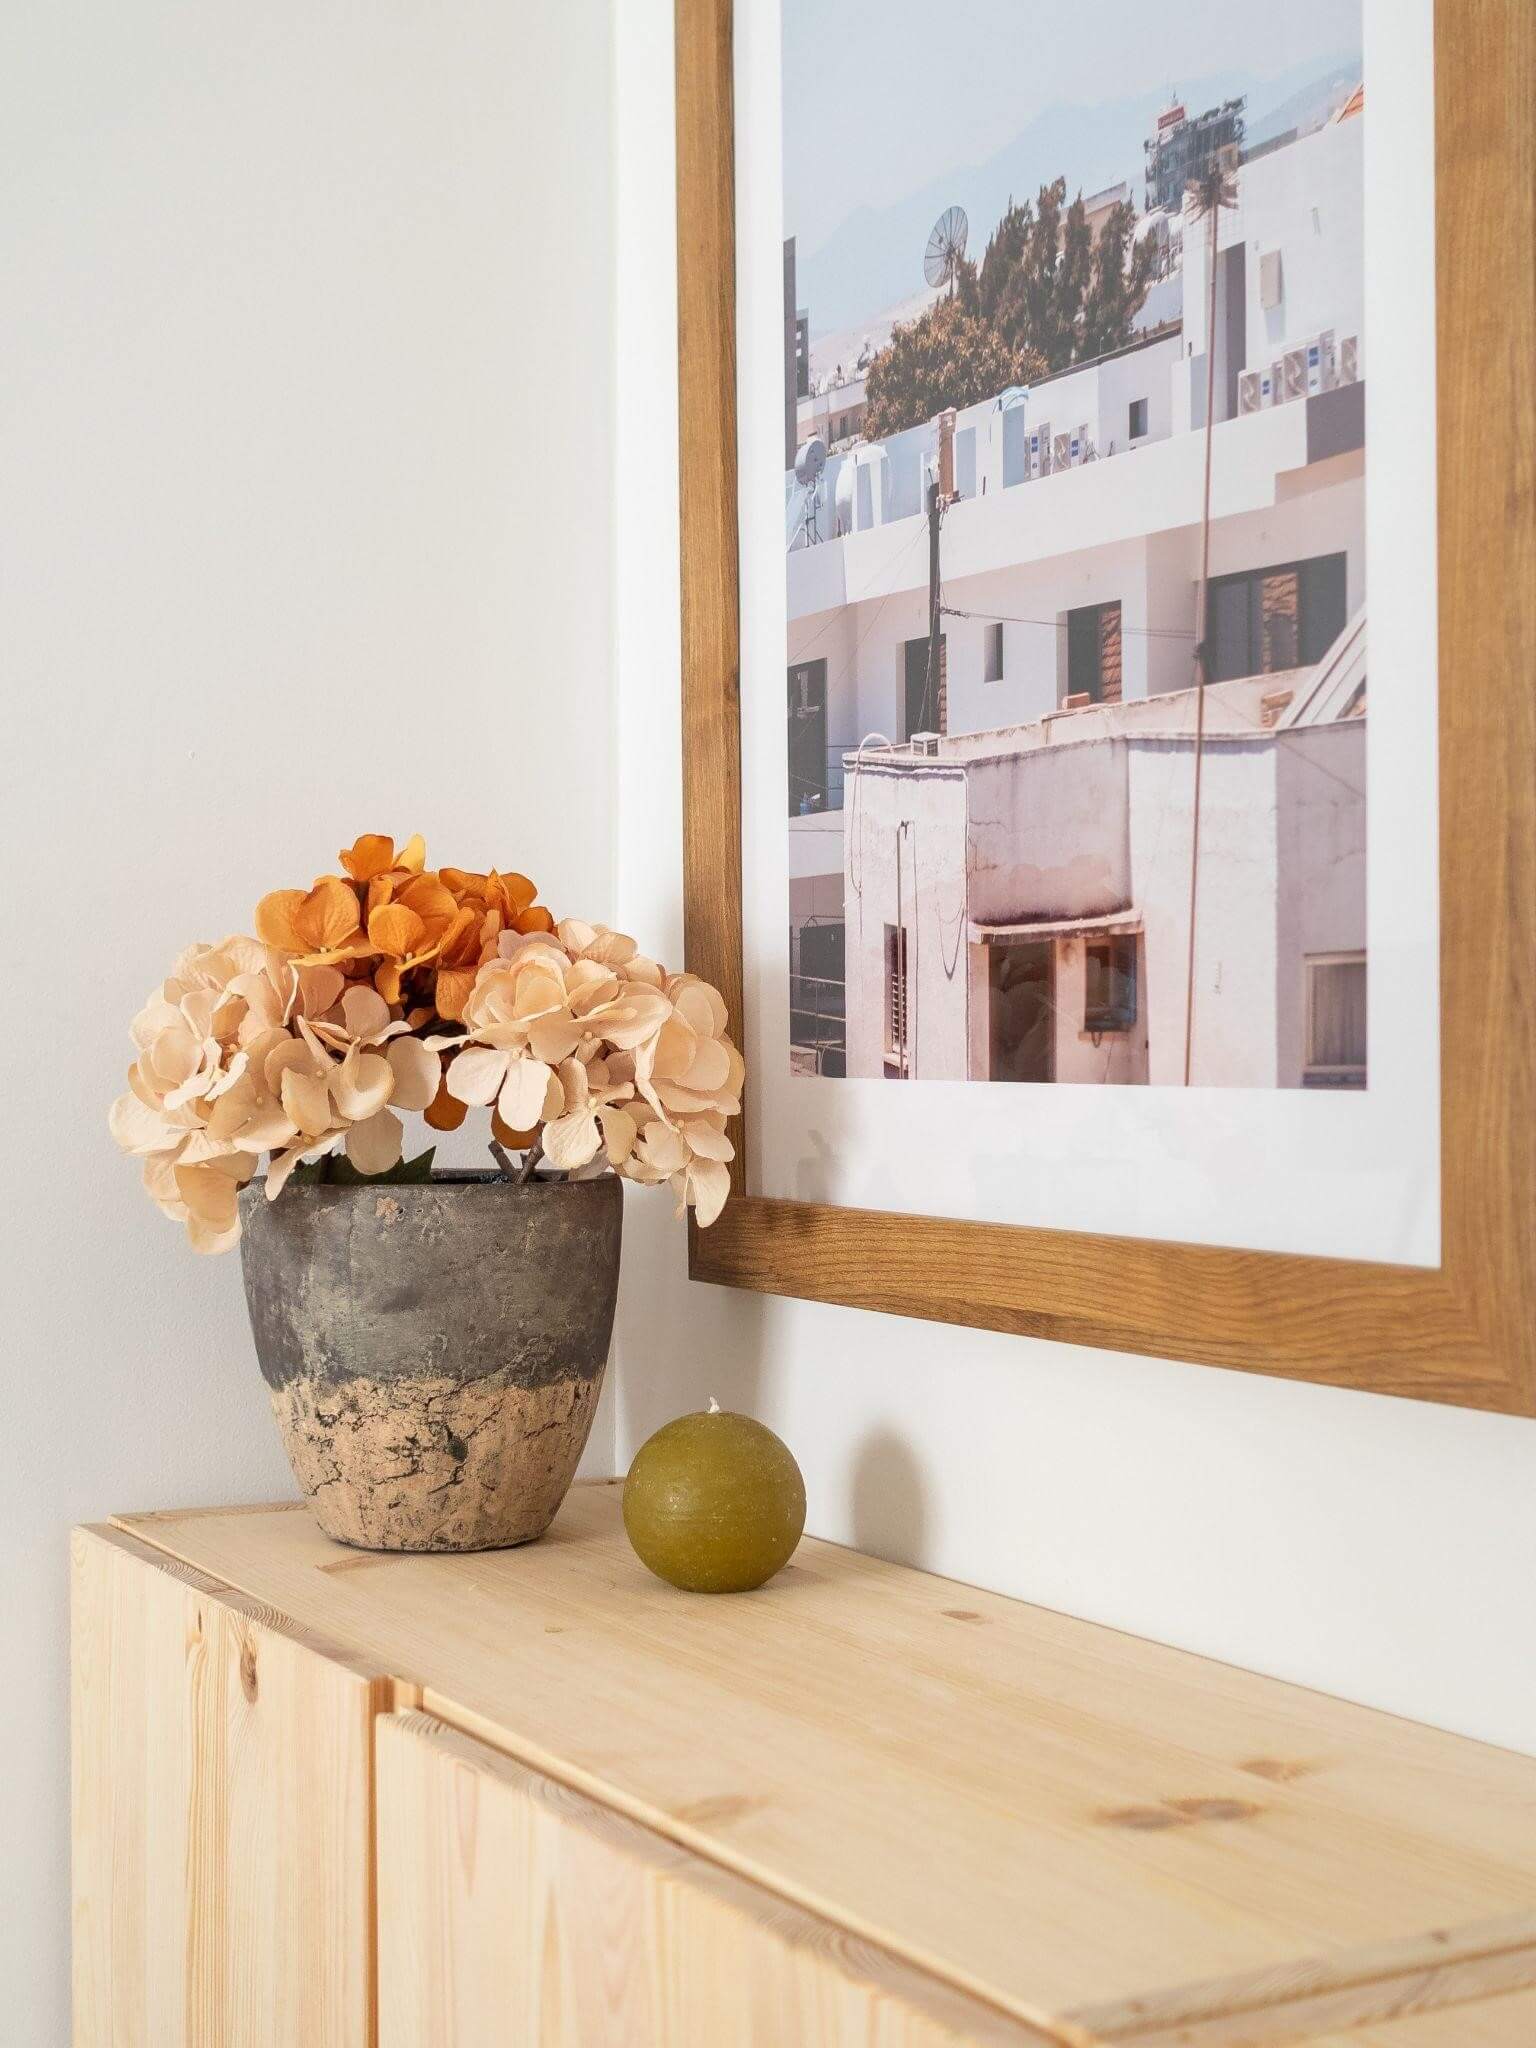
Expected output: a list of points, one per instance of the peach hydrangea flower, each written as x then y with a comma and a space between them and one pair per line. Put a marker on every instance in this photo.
333, 1082
664, 1153
198, 1109
327, 1024
243, 1052
530, 1009
593, 1119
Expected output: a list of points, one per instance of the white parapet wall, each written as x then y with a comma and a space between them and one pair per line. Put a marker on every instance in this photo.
1028, 836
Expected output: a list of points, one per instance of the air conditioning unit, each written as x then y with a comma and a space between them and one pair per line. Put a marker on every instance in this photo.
926, 744
1330, 348
1314, 353
1061, 452
1349, 359
1086, 449
1293, 370
1043, 438
1251, 394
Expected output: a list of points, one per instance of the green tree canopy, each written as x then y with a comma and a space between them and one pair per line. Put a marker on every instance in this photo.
949, 355
1122, 271
1048, 294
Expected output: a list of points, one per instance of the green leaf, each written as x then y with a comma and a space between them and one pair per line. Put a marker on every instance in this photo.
412, 1172
404, 1173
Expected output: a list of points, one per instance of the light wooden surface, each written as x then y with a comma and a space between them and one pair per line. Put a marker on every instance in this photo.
1076, 1826
518, 1911
222, 1877
1496, 2023
706, 416
1464, 1333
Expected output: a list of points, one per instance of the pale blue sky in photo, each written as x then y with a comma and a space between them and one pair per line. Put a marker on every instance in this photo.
886, 102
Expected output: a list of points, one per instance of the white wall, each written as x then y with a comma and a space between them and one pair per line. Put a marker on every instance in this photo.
307, 393
305, 421
1380, 1549
1305, 201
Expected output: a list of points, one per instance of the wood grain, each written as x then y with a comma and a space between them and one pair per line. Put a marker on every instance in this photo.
1508, 2022
706, 392
222, 1867
1427, 1972
1465, 1333
512, 1910
1044, 1815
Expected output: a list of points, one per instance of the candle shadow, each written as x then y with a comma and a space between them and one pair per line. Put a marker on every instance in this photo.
890, 1499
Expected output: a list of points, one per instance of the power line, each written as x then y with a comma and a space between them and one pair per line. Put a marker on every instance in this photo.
1060, 625
893, 561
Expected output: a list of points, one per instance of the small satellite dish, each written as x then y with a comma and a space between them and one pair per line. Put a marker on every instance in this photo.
810, 460
946, 248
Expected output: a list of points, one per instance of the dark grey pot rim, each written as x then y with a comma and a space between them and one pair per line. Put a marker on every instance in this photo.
451, 1177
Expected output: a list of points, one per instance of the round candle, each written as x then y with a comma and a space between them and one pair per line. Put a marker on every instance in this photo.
714, 1503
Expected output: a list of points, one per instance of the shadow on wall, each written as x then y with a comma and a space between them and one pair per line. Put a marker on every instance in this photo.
889, 1499
683, 1345
670, 1364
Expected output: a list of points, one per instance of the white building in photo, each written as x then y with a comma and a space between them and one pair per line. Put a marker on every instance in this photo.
991, 855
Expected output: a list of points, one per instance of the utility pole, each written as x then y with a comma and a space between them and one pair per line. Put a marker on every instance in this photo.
930, 690
941, 494
1214, 189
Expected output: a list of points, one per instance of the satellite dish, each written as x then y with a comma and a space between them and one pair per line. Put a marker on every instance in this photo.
810, 460
946, 248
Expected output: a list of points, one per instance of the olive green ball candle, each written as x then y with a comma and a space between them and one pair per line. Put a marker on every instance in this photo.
714, 1503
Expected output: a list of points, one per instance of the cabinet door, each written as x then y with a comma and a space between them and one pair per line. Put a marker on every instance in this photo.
516, 1913
222, 1788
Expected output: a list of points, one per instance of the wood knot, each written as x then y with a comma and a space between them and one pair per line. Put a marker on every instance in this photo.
1277, 1769
248, 1683
719, 1809
1215, 1809
1179, 1813
1147, 1817
960, 1614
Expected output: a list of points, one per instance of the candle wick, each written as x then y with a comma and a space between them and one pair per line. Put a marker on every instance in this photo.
714, 1406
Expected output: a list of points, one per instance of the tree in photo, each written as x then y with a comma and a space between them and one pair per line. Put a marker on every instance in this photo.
948, 356
1047, 294
1004, 255
1122, 272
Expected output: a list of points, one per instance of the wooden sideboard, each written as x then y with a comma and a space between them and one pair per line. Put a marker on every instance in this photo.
325, 1798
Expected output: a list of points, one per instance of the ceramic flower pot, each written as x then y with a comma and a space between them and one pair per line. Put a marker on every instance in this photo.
434, 1352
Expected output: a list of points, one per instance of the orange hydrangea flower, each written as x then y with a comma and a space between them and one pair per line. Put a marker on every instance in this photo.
417, 934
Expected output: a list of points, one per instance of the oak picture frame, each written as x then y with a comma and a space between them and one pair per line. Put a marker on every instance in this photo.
1462, 1333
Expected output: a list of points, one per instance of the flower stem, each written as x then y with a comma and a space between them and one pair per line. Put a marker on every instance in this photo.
531, 1159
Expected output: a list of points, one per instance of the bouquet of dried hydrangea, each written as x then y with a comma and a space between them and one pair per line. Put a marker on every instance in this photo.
397, 987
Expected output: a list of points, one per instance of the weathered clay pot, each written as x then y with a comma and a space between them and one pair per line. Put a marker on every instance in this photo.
434, 1353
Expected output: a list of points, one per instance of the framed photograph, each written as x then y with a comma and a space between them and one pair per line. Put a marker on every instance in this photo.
1109, 574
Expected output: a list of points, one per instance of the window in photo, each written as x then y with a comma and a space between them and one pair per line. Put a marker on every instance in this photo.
993, 671
808, 759
1093, 654
1335, 1021
1109, 998
1265, 621
895, 1001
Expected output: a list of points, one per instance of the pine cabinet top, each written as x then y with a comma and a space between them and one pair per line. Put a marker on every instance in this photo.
1104, 1837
